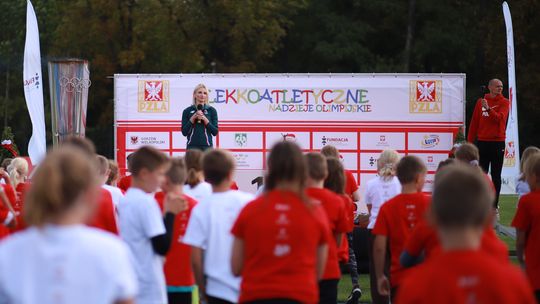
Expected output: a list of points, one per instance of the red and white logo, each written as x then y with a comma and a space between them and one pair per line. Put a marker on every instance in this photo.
153, 91
382, 138
430, 159
134, 140
425, 91
289, 137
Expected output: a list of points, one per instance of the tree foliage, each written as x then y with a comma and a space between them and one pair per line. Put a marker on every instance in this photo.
193, 36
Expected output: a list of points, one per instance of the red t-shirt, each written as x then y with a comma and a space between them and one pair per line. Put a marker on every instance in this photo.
281, 235
425, 238
343, 250
350, 184
4, 211
21, 190
177, 267
396, 220
527, 219
465, 277
334, 208
489, 125
105, 216
124, 183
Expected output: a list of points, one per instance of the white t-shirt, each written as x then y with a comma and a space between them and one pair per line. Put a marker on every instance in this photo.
209, 228
65, 264
378, 192
116, 193
140, 220
200, 192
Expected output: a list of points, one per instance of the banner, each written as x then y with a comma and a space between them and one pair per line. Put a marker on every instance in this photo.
360, 114
33, 87
510, 171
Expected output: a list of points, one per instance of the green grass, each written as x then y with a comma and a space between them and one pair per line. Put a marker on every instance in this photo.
507, 210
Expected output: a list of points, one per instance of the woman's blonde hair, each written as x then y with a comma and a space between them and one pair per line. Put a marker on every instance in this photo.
386, 164
59, 181
17, 170
197, 87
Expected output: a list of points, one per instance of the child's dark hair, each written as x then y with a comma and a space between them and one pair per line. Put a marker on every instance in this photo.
336, 176
286, 164
218, 165
468, 153
147, 157
445, 163
193, 160
57, 183
461, 197
408, 169
330, 151
84, 144
177, 172
317, 168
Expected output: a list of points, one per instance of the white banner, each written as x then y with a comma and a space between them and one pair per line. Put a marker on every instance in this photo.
33, 87
510, 171
256, 97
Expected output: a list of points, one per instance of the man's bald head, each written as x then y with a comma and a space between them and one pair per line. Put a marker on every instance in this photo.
495, 86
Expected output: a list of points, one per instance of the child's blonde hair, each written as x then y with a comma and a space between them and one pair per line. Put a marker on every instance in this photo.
386, 164
527, 153
17, 170
59, 181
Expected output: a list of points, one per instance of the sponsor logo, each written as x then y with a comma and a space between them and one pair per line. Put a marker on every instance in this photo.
32, 82
430, 159
509, 154
372, 161
382, 141
240, 139
425, 96
430, 141
288, 137
153, 96
146, 140
134, 140
334, 141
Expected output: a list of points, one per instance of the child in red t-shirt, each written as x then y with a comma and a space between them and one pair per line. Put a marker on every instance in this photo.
395, 221
338, 219
105, 215
178, 272
527, 223
280, 244
462, 273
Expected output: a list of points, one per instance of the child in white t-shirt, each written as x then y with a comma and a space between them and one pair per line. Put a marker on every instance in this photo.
142, 226
104, 172
378, 191
195, 186
209, 229
58, 259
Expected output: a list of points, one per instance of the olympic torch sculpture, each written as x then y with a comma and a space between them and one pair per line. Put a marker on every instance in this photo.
69, 80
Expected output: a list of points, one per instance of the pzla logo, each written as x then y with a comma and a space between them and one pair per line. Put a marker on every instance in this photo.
153, 96
240, 139
425, 96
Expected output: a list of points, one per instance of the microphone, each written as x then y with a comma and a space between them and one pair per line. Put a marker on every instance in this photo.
483, 90
199, 108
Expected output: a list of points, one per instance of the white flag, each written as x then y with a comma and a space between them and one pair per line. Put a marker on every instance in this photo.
33, 87
510, 171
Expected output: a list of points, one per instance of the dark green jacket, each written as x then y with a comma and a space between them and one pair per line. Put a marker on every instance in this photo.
199, 135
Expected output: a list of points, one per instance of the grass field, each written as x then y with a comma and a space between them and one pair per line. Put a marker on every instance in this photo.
507, 209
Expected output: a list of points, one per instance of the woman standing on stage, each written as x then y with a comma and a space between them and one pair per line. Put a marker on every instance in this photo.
199, 121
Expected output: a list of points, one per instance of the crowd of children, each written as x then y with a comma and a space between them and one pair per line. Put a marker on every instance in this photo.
178, 230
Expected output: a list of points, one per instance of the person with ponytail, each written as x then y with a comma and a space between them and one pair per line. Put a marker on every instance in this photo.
195, 186
281, 238
58, 258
